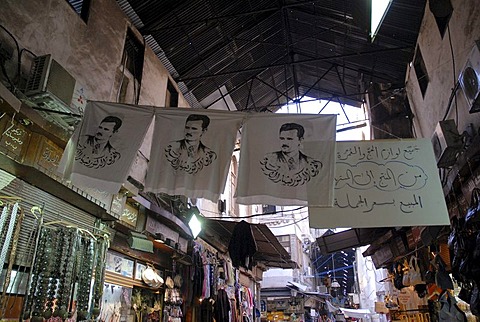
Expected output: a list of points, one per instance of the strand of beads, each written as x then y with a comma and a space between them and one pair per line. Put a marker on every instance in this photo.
35, 273
85, 278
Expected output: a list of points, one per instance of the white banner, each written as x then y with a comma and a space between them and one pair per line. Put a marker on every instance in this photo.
384, 183
191, 152
287, 160
102, 149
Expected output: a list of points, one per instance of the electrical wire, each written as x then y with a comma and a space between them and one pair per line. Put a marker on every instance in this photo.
292, 223
454, 71
258, 215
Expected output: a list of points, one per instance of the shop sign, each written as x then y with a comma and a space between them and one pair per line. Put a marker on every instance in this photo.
15, 137
404, 296
129, 215
278, 304
118, 204
384, 183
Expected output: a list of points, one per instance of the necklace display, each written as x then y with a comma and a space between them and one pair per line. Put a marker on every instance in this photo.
67, 261
66, 271
85, 269
100, 260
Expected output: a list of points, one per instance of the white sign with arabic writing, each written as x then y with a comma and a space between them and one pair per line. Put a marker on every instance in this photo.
384, 183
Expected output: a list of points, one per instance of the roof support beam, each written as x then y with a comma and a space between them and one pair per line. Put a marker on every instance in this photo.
328, 58
276, 90
148, 29
316, 82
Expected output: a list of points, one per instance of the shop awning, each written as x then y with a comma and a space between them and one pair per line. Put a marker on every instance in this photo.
350, 238
270, 252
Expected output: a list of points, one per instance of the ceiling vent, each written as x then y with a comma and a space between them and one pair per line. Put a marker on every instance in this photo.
470, 79
447, 143
54, 93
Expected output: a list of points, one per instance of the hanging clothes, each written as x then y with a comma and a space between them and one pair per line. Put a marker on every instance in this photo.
206, 310
197, 275
222, 306
449, 309
242, 245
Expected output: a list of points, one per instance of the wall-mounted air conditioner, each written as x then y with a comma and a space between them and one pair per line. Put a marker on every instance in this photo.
446, 143
55, 94
470, 79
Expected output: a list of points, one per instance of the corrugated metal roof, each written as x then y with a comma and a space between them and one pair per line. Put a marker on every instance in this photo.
285, 48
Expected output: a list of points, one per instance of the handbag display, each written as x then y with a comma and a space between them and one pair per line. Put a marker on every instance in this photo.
475, 301
442, 279
473, 213
398, 276
406, 274
414, 272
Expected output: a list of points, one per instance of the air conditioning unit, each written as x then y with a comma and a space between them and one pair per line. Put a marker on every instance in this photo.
54, 93
446, 143
470, 79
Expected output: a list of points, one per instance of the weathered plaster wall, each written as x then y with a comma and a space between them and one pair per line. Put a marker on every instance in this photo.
464, 30
91, 51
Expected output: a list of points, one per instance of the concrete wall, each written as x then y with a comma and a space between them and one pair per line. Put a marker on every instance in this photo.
90, 51
464, 30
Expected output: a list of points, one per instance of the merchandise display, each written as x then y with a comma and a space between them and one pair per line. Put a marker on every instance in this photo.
68, 260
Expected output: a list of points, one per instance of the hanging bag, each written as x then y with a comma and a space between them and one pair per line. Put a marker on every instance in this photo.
473, 213
398, 278
442, 279
465, 293
414, 273
475, 301
406, 274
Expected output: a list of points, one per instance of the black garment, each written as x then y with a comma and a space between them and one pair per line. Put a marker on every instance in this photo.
222, 306
206, 310
197, 275
242, 245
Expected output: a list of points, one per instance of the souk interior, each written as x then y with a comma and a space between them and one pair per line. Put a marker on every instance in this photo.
79, 253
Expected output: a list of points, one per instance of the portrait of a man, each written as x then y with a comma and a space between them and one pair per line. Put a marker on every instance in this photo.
189, 154
290, 166
95, 151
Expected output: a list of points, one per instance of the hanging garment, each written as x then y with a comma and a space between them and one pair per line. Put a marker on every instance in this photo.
197, 275
104, 145
192, 152
242, 245
222, 306
287, 160
449, 311
206, 310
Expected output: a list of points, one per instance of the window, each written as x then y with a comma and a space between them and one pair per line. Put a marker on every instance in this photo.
133, 55
421, 71
268, 209
171, 99
131, 70
442, 11
82, 7
285, 242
